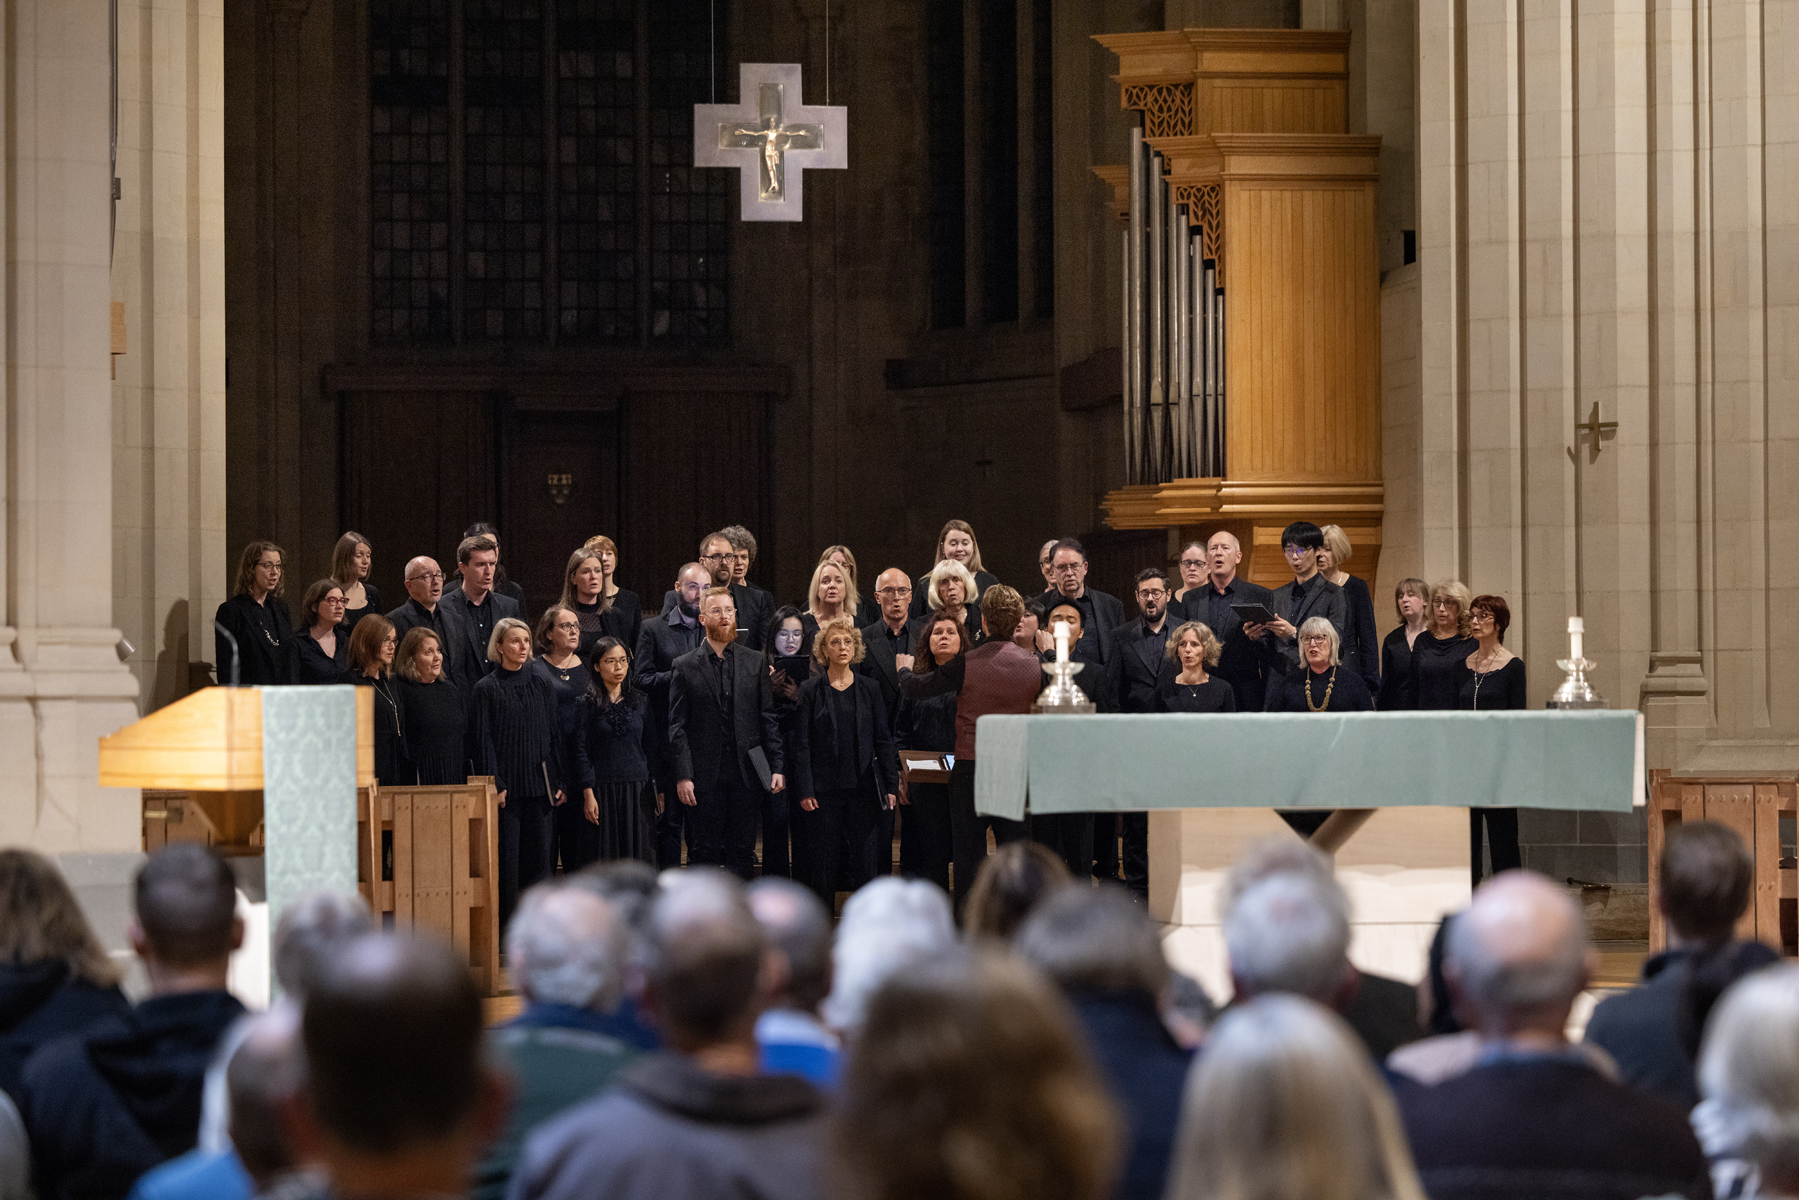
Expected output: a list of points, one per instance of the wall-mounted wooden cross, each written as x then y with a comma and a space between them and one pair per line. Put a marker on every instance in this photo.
1595, 430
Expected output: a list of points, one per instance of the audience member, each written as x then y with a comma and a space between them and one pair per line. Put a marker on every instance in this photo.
352, 561
252, 628
888, 927
55, 977
1100, 947
398, 1098
1009, 886
971, 1083
1361, 649
475, 610
15, 1154
1653, 1031
1411, 601
1188, 1012
1293, 604
631, 888
434, 711
319, 651
1533, 1117
1749, 1075
1240, 655
105, 1105
792, 1036
701, 1120
723, 734
565, 952
617, 814
1282, 1103
515, 738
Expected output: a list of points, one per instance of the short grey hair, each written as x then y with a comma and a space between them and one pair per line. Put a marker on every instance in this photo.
887, 926
1749, 1073
1487, 943
796, 923
945, 570
566, 945
1323, 625
1279, 854
1289, 933
310, 933
1095, 940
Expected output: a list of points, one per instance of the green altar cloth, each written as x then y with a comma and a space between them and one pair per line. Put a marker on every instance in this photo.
1514, 759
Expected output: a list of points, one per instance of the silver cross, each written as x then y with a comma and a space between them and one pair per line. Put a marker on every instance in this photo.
773, 138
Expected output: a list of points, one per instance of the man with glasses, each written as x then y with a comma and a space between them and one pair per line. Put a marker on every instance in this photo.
1043, 563
660, 642
1309, 595
1240, 665
424, 590
750, 598
719, 556
1100, 613
1136, 663
889, 638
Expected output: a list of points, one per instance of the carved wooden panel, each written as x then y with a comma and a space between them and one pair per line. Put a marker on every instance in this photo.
1252, 105
1167, 108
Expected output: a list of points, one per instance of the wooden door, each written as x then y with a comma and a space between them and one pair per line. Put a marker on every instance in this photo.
561, 486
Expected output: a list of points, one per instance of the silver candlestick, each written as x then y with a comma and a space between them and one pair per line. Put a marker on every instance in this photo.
1575, 692
1062, 696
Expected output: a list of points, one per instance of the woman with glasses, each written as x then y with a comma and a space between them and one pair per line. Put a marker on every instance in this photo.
1323, 684
558, 641
616, 818
1440, 655
320, 652
1493, 678
257, 627
1194, 565
955, 543
372, 646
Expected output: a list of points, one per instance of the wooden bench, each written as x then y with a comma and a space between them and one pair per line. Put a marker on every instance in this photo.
427, 855
1753, 808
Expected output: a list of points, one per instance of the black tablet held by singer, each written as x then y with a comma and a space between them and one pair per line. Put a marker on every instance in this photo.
1253, 614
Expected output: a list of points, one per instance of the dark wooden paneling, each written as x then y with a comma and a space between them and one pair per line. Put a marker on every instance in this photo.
540, 532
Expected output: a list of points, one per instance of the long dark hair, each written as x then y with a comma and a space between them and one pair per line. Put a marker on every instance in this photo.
783, 613
921, 645
596, 688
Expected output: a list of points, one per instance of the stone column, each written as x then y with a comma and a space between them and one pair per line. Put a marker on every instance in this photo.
63, 686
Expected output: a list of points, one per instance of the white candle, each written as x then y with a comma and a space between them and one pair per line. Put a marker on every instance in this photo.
1061, 634
1577, 629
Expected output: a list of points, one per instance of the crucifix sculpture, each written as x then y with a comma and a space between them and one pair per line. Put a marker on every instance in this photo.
772, 140
1595, 429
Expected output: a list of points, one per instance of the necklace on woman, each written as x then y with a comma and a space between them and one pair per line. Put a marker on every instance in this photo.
1479, 658
388, 696
1327, 690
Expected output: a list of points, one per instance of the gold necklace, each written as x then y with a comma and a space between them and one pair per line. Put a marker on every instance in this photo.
1327, 690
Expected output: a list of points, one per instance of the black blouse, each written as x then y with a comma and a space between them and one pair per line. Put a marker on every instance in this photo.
262, 632
927, 724
1438, 665
307, 662
1215, 695
372, 595
391, 766
1396, 672
516, 724
1339, 690
1503, 688
1358, 631
626, 617
608, 743
921, 594
434, 717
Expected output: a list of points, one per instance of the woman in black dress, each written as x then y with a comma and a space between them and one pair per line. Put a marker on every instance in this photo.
783, 642
956, 543
351, 563
557, 640
1195, 647
1412, 600
830, 595
1325, 685
618, 807
584, 594
320, 651
1494, 679
256, 620
1440, 655
926, 844
434, 712
1360, 645
515, 740
624, 605
372, 645
844, 765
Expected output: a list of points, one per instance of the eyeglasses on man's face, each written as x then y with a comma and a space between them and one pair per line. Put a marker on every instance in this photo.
716, 557
1066, 568
1296, 551
427, 577
889, 593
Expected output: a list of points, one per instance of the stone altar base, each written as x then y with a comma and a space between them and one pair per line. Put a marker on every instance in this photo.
1403, 871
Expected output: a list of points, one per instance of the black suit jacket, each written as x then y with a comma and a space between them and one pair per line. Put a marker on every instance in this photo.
1322, 599
1108, 613
263, 662
1132, 679
1241, 662
466, 653
878, 663
696, 730
815, 737
754, 608
659, 644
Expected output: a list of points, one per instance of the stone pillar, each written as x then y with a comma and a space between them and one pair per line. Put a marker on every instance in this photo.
62, 686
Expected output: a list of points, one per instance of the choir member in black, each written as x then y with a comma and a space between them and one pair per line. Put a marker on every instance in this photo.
754, 605
1293, 604
584, 594
661, 641
433, 710
502, 584
1100, 613
719, 556
721, 713
1193, 564
1360, 647
1323, 683
1494, 679
843, 558
557, 643
256, 620
1136, 661
955, 543
844, 766
1411, 599
891, 636
950, 588
927, 840
1240, 660
473, 611
351, 563
625, 604
1440, 655
1070, 835
1030, 632
1191, 688
781, 637
828, 596
372, 646
424, 609
320, 651
515, 741
617, 813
